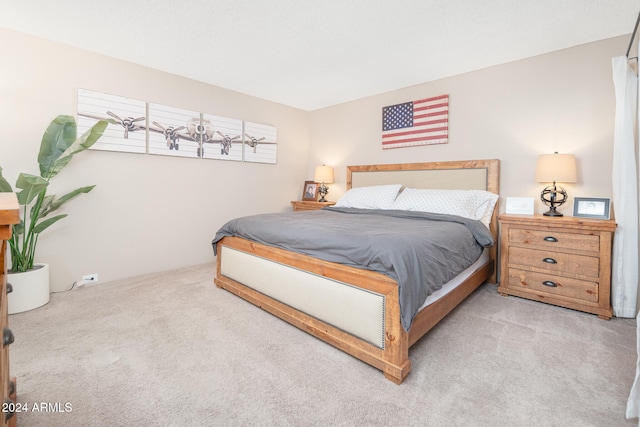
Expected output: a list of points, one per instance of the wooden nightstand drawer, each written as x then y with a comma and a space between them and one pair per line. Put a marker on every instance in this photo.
556, 262
553, 239
555, 285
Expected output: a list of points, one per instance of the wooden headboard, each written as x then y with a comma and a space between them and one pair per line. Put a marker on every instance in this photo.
460, 175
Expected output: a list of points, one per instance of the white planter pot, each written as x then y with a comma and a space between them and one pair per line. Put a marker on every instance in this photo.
30, 289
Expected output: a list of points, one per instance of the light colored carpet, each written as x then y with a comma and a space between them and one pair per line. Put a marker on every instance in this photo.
171, 349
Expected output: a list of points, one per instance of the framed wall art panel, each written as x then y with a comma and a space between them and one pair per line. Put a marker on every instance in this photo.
222, 138
127, 131
260, 143
421, 122
174, 131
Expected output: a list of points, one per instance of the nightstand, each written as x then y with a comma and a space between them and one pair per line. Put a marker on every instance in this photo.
564, 261
309, 205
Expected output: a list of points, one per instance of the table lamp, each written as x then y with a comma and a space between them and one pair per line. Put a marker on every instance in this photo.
555, 168
324, 175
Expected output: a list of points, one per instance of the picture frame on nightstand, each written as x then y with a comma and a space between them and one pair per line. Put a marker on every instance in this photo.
310, 191
519, 205
591, 207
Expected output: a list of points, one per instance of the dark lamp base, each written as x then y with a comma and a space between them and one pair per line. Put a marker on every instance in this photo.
323, 191
552, 212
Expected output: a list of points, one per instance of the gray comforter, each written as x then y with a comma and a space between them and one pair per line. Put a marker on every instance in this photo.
421, 251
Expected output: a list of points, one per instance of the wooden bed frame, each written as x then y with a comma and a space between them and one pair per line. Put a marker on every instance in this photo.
392, 355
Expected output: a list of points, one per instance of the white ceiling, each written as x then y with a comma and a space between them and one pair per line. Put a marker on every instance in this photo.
311, 54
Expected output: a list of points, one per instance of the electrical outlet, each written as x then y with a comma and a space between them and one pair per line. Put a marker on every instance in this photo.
90, 278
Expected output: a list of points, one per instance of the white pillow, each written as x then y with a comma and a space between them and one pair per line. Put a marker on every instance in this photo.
473, 204
374, 197
486, 204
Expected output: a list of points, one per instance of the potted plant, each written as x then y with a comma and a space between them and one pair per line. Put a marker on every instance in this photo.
58, 146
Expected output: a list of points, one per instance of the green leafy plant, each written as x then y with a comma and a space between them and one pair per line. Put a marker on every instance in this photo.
58, 146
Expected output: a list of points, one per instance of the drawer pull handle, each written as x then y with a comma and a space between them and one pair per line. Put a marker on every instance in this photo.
9, 288
550, 261
550, 283
551, 239
7, 337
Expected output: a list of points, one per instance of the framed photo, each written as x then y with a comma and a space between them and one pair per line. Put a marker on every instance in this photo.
589, 207
519, 205
310, 191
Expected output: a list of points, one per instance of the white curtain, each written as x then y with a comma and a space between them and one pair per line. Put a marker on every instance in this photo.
625, 202
624, 284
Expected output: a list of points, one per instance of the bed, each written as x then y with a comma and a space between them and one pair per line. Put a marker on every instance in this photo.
354, 308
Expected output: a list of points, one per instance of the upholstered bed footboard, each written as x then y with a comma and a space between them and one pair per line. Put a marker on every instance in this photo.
351, 309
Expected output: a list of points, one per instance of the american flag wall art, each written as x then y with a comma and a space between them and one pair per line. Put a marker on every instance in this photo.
421, 122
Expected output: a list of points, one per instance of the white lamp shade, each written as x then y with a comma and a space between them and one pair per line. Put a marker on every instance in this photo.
324, 174
556, 168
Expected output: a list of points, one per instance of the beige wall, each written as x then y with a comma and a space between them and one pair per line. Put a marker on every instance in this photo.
562, 101
147, 213
153, 213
